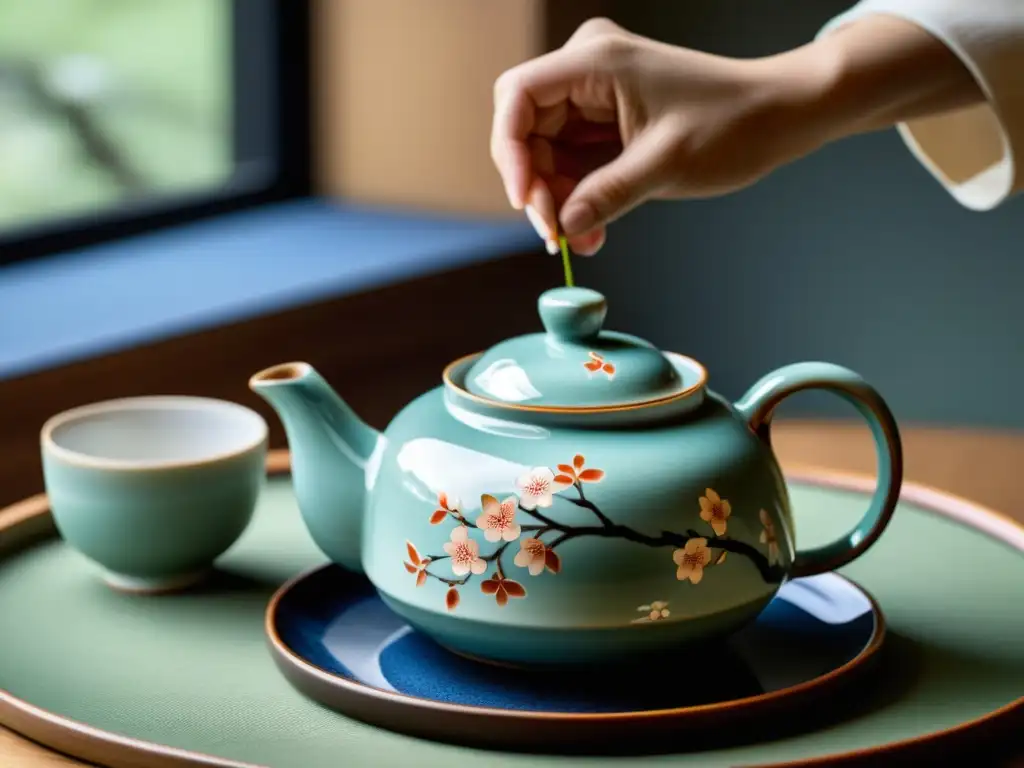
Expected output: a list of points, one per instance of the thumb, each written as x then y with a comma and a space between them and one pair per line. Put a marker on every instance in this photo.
616, 188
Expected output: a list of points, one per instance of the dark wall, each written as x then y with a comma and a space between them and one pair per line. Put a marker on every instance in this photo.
854, 255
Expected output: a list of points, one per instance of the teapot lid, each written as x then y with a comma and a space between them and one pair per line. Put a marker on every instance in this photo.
575, 363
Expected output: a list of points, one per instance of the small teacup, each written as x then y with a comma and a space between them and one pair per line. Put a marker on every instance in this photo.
154, 489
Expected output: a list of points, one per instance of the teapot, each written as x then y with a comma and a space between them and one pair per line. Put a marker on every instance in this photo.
568, 496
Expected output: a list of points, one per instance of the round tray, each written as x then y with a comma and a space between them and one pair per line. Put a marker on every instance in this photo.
187, 679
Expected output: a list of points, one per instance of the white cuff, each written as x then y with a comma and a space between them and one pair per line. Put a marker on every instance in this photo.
977, 153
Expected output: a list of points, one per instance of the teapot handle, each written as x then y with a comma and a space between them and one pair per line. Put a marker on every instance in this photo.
757, 406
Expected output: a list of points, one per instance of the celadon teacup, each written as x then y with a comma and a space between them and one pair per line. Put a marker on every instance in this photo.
154, 489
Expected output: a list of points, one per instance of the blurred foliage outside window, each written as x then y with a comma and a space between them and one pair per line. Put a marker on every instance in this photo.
106, 102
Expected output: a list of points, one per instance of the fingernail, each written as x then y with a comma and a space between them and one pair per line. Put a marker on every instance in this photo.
514, 198
538, 224
552, 247
578, 218
589, 244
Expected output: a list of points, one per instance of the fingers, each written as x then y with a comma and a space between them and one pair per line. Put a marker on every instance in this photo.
514, 117
588, 244
544, 196
523, 95
593, 28
550, 121
541, 211
536, 99
617, 187
562, 186
558, 169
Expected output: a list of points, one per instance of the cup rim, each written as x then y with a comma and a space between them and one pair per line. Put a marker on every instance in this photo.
151, 402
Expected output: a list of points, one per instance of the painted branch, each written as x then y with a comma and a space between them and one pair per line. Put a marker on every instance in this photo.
559, 540
462, 519
449, 582
494, 556
583, 502
546, 520
497, 561
670, 539
610, 530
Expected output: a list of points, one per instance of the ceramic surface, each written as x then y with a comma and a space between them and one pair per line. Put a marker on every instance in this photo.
188, 680
814, 633
517, 528
154, 489
574, 363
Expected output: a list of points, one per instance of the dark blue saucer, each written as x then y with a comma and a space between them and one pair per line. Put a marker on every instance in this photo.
338, 643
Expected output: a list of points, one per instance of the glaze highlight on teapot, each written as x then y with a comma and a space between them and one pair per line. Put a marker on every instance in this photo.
568, 496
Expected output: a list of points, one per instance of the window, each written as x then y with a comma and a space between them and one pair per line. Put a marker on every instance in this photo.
117, 116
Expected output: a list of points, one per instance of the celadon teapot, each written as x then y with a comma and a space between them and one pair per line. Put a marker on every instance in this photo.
568, 496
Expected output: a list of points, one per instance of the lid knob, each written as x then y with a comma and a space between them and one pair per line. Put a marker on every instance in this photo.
572, 313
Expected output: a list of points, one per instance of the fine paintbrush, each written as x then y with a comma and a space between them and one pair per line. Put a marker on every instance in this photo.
565, 260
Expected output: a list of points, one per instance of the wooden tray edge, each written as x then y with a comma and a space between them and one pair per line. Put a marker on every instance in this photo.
81, 741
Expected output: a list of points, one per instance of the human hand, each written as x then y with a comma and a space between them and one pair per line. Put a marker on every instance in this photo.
587, 132
610, 120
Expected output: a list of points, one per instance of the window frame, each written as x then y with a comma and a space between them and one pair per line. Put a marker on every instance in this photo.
270, 57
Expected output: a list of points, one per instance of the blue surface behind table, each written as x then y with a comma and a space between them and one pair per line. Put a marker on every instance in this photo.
188, 278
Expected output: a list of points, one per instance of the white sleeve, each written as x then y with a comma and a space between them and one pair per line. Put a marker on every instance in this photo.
977, 153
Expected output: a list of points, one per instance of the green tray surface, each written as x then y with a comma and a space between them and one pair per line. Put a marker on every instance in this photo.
193, 671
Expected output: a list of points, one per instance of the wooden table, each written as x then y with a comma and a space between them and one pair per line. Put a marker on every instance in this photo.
984, 466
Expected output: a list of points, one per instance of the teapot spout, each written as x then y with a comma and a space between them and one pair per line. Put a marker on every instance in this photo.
334, 456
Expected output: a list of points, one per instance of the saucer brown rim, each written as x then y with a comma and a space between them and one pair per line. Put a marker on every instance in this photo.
631, 405
88, 743
870, 649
